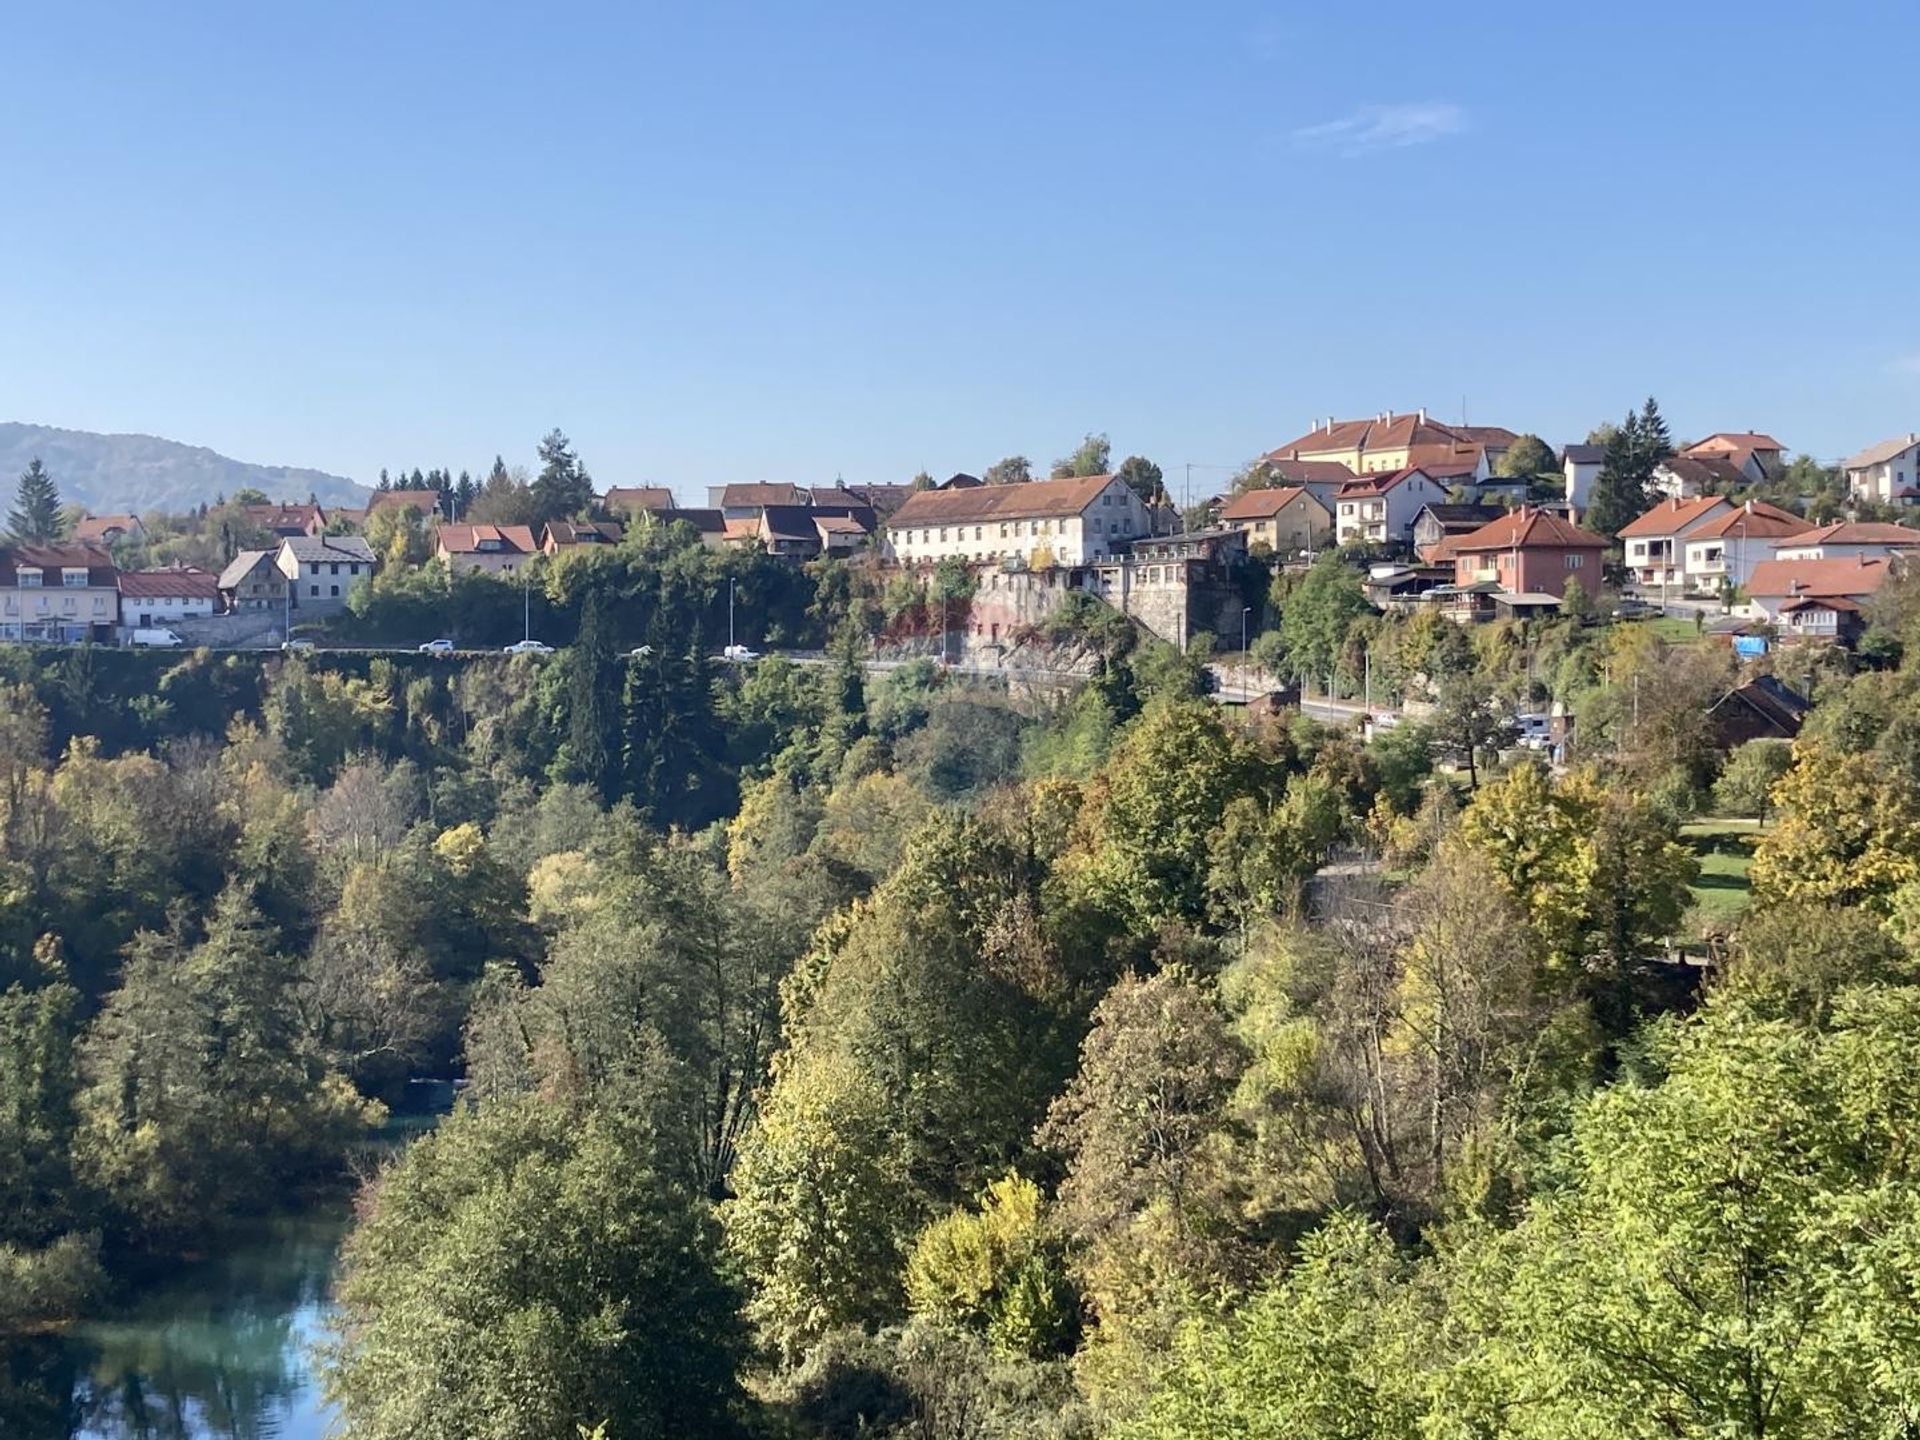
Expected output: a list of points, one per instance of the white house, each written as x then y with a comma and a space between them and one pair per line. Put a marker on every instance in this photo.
1381, 509
1654, 542
1039, 523
1581, 466
1887, 473
160, 597
323, 570
1722, 552
1848, 540
1686, 477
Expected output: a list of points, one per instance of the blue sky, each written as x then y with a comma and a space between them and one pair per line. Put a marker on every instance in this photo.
721, 241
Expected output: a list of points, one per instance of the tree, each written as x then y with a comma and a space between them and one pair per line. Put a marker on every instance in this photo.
1470, 720
1143, 477
562, 489
1014, 470
1093, 457
1848, 832
1316, 614
531, 1268
1632, 451
1745, 787
36, 517
1528, 457
592, 737
992, 1270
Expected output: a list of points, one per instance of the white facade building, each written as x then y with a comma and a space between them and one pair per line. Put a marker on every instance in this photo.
1381, 509
160, 597
1887, 473
1039, 524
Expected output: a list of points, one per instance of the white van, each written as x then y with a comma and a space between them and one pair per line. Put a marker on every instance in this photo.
161, 637
1533, 731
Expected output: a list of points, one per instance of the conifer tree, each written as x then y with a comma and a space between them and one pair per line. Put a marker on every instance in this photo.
36, 516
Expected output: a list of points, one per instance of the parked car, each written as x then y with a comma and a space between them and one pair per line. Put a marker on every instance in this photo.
1637, 610
528, 647
437, 647
640, 652
159, 637
298, 647
738, 653
1532, 731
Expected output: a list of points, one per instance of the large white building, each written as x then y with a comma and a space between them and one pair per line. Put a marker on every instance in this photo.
1039, 524
1887, 473
1380, 509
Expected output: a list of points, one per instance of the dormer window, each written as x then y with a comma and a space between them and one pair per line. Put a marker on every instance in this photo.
30, 579
73, 579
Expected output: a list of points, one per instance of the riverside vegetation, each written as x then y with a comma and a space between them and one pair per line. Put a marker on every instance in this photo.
882, 1057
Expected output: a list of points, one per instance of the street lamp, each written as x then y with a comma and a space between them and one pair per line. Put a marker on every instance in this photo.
1245, 610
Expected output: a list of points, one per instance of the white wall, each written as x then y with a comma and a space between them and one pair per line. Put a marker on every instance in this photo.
1114, 514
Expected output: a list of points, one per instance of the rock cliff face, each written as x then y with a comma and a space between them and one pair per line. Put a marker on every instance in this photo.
113, 474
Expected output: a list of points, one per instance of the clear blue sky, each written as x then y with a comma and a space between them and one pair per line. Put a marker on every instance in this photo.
715, 241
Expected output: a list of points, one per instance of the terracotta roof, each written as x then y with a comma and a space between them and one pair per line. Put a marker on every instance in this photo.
1033, 499
1379, 484
1755, 520
742, 530
638, 497
1737, 445
1839, 604
182, 584
1859, 532
1392, 432
1527, 528
1445, 462
760, 495
1883, 452
97, 528
97, 562
427, 502
285, 517
1706, 471
1819, 579
1263, 504
499, 539
1301, 472
839, 525
1672, 516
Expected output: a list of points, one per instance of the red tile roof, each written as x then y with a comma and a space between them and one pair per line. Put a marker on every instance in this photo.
1525, 529
638, 497
1379, 483
1755, 520
1670, 517
98, 528
1033, 499
1301, 472
762, 495
1859, 532
466, 539
182, 584
1851, 576
1393, 432
97, 562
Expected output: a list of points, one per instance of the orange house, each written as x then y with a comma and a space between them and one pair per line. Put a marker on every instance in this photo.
1529, 552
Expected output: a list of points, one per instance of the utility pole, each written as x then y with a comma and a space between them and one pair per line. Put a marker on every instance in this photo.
729, 614
526, 604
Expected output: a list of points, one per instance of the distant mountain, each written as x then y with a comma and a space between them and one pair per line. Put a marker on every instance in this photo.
112, 474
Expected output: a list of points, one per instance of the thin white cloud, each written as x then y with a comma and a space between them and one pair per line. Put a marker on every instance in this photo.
1384, 127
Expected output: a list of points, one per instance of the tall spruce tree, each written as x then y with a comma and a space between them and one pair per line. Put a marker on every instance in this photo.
591, 735
1634, 450
36, 516
563, 487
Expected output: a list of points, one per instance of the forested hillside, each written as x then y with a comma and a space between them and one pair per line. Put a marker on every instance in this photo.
854, 1055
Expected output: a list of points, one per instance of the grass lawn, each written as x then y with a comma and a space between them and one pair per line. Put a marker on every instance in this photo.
1725, 850
1674, 629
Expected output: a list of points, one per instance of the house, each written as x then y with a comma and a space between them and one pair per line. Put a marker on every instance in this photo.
631, 500
1176, 586
253, 581
960, 481
1436, 524
1321, 479
883, 500
789, 530
160, 597
1379, 509
68, 592
745, 502
1654, 552
572, 536
288, 520
323, 570
1720, 553
710, 525
1390, 442
108, 529
1580, 464
1858, 538
1754, 455
1829, 620
1529, 552
1687, 477
494, 549
840, 534
1776, 585
1762, 709
424, 503
1887, 473
1039, 524
1287, 519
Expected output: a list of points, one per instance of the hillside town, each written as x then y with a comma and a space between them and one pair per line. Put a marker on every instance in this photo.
1469, 522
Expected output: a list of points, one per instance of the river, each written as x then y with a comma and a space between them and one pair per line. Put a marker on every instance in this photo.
222, 1349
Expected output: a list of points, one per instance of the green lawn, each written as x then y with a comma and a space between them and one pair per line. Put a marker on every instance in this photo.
1675, 629
1725, 850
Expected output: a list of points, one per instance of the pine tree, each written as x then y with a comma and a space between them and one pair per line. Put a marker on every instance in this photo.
563, 488
1634, 450
592, 720
36, 517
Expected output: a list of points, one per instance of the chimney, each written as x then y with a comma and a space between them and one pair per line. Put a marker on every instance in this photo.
1423, 414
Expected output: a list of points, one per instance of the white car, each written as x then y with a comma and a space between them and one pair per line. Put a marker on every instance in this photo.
1532, 732
297, 647
528, 647
737, 653
157, 637
640, 652
437, 647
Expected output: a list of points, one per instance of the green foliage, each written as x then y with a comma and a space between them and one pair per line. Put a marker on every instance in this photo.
1315, 616
1745, 786
1143, 477
1527, 457
1093, 457
36, 517
1620, 492
992, 1271
529, 1269
1014, 470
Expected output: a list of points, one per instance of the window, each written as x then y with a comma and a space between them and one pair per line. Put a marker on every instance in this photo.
314, 590
1575, 562
73, 579
29, 579
314, 569
333, 590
